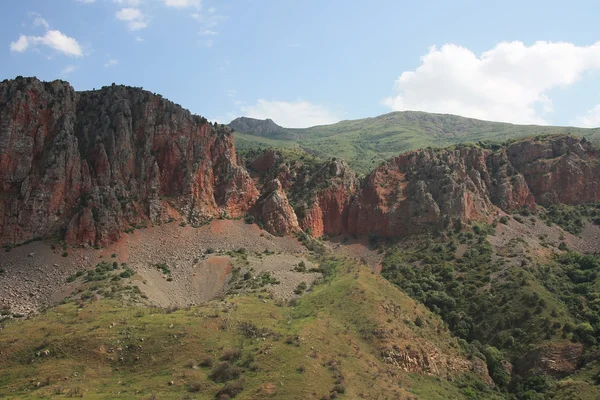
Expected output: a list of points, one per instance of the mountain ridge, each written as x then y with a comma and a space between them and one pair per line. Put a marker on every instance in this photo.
366, 142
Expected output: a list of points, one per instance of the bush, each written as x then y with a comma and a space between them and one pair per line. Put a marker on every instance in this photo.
206, 362
300, 288
231, 354
230, 390
504, 220
224, 372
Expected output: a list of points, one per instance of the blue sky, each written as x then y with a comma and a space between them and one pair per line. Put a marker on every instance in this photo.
309, 62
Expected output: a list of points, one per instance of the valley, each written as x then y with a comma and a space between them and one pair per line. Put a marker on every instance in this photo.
146, 256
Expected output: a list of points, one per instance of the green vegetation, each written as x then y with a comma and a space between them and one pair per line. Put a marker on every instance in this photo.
501, 305
328, 343
572, 218
364, 143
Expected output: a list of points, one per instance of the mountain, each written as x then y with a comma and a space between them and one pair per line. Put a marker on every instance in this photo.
143, 257
264, 128
88, 166
364, 143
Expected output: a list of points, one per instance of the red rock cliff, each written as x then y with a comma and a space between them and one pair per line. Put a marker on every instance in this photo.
91, 164
432, 188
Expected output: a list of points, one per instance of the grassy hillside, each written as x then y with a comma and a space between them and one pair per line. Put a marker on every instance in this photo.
364, 143
330, 343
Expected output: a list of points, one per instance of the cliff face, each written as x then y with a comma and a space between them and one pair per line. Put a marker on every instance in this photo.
320, 193
91, 164
432, 188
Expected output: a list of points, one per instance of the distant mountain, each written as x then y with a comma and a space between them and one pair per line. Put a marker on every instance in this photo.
364, 143
262, 127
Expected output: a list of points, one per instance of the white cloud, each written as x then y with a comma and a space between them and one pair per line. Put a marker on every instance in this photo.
20, 45
134, 17
139, 39
299, 114
39, 21
231, 93
53, 39
111, 63
509, 82
86, 1
130, 3
69, 69
182, 3
591, 119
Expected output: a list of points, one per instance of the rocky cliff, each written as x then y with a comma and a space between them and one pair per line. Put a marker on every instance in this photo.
434, 188
89, 165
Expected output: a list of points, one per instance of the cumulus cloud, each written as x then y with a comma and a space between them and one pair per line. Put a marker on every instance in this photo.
508, 83
299, 114
20, 45
591, 119
134, 18
53, 39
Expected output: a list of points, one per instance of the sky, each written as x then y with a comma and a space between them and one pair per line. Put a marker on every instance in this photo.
307, 62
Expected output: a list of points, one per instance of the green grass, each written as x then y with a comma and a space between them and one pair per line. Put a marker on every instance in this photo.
364, 143
329, 340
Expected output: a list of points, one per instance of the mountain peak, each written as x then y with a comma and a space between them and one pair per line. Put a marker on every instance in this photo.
262, 127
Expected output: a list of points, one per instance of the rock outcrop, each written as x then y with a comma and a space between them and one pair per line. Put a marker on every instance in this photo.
274, 210
327, 213
554, 359
89, 165
433, 188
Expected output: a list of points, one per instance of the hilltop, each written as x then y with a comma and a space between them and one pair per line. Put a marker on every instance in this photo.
364, 143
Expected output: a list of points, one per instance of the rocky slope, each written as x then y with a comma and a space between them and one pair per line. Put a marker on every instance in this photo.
89, 165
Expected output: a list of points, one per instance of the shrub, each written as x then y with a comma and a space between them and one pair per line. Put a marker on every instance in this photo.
196, 386
224, 372
504, 220
300, 288
206, 362
341, 389
231, 354
231, 390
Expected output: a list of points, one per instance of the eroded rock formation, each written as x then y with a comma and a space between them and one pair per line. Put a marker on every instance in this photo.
89, 165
